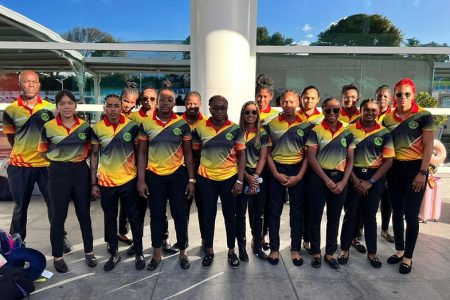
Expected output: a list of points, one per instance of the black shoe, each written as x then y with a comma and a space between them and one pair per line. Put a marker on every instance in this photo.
125, 240
273, 261
243, 256
67, 247
207, 260
375, 262
297, 261
316, 262
233, 260
131, 251
184, 263
387, 236
111, 263
260, 254
60, 266
343, 259
358, 246
265, 246
404, 268
394, 259
139, 262
153, 264
168, 249
307, 249
177, 247
91, 261
332, 262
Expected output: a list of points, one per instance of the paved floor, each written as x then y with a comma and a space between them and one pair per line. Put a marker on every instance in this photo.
429, 279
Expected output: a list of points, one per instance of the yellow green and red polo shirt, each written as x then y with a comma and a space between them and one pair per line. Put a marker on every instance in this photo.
407, 133
117, 163
218, 159
315, 118
380, 116
332, 147
267, 115
288, 139
252, 153
26, 124
138, 116
347, 119
65, 144
201, 118
165, 143
372, 146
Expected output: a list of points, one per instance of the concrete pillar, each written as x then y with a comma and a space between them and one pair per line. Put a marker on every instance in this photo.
223, 51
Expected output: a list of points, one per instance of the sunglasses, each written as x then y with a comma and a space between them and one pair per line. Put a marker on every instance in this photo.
253, 112
145, 98
407, 95
334, 110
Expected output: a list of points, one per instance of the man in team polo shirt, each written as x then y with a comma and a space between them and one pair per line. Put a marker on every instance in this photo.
349, 112
22, 123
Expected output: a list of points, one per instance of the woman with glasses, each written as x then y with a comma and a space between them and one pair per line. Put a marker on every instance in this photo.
373, 157
288, 165
147, 100
256, 148
330, 148
412, 130
221, 146
166, 171
65, 142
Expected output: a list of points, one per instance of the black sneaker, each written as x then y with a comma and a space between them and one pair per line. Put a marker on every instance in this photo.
233, 260
243, 256
67, 247
60, 266
184, 263
139, 262
207, 260
91, 261
111, 263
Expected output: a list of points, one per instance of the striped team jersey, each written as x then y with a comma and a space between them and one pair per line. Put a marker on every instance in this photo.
380, 116
117, 163
332, 147
347, 119
315, 118
372, 147
218, 160
65, 144
165, 143
252, 153
138, 116
26, 124
407, 134
288, 139
200, 119
267, 115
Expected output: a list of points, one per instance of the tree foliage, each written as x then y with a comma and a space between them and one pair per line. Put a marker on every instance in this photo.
361, 30
413, 42
424, 99
276, 39
92, 35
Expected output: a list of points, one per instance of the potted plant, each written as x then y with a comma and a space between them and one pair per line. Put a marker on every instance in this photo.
424, 99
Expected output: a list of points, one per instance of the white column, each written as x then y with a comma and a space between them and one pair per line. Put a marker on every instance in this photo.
223, 51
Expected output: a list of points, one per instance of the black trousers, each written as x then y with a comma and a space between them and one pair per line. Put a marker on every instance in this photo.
256, 205
305, 233
161, 188
296, 200
198, 203
385, 207
405, 204
62, 188
318, 196
210, 192
134, 209
365, 207
123, 222
21, 183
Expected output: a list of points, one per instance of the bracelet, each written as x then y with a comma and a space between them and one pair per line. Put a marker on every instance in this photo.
424, 172
331, 180
372, 181
192, 180
238, 181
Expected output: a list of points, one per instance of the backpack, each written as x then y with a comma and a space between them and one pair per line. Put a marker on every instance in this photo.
6, 243
14, 284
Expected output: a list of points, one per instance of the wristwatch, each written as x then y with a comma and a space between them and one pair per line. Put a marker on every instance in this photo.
372, 181
424, 172
192, 180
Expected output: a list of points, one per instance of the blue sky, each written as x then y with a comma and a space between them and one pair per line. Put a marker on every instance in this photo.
134, 20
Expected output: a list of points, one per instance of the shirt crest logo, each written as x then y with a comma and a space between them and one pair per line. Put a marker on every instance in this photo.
300, 132
344, 142
82, 136
413, 124
176, 131
378, 141
229, 136
127, 137
45, 117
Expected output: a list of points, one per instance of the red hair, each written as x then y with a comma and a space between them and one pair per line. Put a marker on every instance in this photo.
405, 81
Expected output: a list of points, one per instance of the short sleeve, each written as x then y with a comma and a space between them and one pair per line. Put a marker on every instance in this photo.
142, 134
8, 123
350, 141
312, 139
265, 140
428, 122
388, 146
43, 141
239, 141
186, 131
94, 137
196, 141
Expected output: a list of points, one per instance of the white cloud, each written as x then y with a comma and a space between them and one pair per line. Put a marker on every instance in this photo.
302, 43
309, 36
307, 27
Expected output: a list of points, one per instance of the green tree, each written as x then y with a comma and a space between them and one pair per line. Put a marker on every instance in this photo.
263, 37
361, 30
92, 35
413, 42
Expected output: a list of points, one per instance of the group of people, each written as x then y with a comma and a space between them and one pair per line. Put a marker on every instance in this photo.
344, 156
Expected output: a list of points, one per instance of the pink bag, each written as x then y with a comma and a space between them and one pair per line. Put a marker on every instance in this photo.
430, 210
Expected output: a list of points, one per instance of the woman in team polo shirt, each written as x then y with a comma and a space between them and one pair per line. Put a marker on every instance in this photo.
221, 173
412, 130
287, 166
330, 150
65, 142
373, 157
147, 100
256, 148
165, 143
